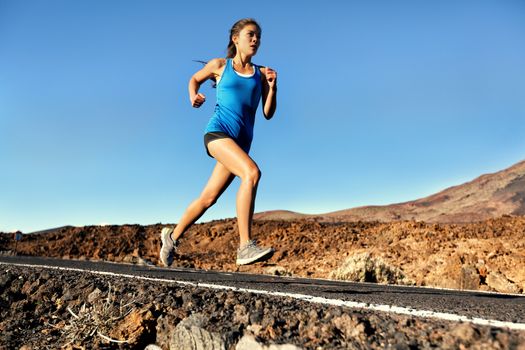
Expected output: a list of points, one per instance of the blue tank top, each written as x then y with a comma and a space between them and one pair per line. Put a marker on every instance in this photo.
237, 101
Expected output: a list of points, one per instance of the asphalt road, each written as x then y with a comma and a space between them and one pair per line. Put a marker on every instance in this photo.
471, 304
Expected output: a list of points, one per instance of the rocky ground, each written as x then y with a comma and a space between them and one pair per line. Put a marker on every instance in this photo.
48, 309
478, 256
51, 309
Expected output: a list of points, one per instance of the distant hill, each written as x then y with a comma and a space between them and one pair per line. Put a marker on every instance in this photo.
279, 215
55, 229
488, 196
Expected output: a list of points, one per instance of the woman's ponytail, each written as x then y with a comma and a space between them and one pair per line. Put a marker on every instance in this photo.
231, 50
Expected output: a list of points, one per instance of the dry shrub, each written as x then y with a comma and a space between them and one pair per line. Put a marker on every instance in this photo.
98, 319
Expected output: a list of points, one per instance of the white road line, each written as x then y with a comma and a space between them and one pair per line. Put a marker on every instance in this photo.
309, 298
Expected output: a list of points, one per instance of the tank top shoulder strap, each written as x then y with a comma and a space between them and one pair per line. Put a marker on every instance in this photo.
229, 64
256, 69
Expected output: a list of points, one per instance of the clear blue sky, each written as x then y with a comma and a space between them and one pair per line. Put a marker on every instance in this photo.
379, 102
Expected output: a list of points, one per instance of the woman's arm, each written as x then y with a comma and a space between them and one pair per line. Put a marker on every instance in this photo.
210, 70
269, 91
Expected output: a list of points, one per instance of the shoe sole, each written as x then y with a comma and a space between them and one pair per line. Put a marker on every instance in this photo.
164, 234
262, 257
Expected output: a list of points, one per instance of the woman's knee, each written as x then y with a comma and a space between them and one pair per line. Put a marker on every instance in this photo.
252, 175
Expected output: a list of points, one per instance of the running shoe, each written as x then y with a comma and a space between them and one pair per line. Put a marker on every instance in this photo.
251, 253
169, 246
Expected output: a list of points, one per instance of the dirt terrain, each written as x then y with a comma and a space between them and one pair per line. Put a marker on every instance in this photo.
46, 309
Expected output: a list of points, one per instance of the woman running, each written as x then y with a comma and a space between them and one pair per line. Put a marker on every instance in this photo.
228, 137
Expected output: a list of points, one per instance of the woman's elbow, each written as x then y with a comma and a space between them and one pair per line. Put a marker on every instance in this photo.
193, 81
268, 115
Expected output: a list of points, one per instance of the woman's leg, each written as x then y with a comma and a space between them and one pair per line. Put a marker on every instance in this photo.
219, 180
239, 163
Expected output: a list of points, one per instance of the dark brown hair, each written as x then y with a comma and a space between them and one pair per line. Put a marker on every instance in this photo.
236, 29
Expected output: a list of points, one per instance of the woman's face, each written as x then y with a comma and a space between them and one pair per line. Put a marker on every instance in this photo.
248, 40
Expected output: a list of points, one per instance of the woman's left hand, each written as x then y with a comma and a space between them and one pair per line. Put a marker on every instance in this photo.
271, 77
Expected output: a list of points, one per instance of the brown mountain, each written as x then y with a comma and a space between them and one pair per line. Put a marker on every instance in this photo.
488, 196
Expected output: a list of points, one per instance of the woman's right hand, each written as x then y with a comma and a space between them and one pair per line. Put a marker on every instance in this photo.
198, 100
